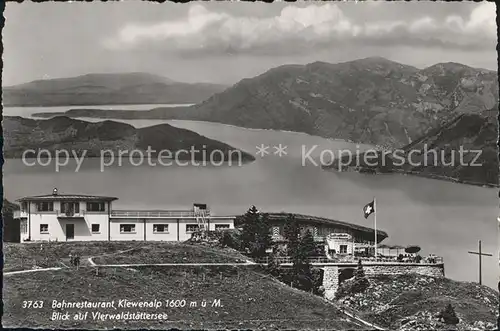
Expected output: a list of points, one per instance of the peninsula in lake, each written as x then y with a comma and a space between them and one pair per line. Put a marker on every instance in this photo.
64, 133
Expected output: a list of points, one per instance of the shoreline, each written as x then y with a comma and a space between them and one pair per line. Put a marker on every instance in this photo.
86, 118
103, 104
418, 174
334, 140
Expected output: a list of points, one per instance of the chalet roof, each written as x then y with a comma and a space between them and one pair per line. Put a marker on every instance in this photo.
67, 197
363, 231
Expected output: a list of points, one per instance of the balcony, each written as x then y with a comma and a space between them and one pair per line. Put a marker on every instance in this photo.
156, 214
20, 214
70, 214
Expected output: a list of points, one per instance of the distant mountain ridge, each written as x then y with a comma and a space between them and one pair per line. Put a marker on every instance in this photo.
63, 133
101, 89
373, 100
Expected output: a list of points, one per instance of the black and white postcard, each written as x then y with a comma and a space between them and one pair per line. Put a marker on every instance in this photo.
250, 165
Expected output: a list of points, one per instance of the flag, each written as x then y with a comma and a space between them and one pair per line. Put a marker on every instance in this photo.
369, 209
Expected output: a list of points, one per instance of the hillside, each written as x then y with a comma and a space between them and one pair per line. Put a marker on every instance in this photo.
107, 89
249, 299
372, 100
411, 302
63, 133
24, 256
475, 134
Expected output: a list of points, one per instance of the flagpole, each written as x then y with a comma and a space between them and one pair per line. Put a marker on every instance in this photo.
375, 226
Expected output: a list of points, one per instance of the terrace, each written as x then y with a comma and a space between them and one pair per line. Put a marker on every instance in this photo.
349, 259
157, 213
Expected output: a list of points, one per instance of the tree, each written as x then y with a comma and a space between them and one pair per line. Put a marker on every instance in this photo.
248, 223
302, 273
273, 266
11, 227
263, 237
448, 315
291, 232
307, 244
255, 235
360, 283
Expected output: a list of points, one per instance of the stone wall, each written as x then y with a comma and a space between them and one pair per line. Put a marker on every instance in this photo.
330, 281
331, 273
434, 270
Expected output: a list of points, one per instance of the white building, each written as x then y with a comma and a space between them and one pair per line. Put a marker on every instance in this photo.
71, 217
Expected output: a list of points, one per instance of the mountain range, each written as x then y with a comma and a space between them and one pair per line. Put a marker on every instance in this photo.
76, 136
107, 89
372, 101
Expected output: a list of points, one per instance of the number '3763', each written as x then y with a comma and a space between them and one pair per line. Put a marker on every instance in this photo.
32, 304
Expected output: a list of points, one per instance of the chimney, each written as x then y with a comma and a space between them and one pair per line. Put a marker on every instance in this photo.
54, 192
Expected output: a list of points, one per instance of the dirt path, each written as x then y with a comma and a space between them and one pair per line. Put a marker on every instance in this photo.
31, 270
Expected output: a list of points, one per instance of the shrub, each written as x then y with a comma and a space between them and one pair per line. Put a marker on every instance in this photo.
344, 290
360, 283
230, 238
448, 316
273, 267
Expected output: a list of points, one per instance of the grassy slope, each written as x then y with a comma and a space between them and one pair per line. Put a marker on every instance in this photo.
25, 256
173, 253
396, 301
249, 299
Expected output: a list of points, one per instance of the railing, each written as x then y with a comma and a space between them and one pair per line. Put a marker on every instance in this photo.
349, 259
70, 213
288, 259
19, 214
155, 213
279, 237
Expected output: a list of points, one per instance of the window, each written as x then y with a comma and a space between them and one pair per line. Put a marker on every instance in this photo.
24, 206
191, 227
96, 206
160, 228
127, 228
24, 227
45, 206
70, 207
343, 249
221, 226
44, 228
96, 228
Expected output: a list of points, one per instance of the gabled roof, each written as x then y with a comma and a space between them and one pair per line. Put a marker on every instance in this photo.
364, 231
72, 197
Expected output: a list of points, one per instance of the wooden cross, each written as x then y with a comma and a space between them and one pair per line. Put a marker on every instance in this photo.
480, 254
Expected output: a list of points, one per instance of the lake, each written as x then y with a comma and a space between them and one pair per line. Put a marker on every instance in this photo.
444, 218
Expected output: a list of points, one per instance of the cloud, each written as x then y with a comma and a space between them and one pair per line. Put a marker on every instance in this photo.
299, 29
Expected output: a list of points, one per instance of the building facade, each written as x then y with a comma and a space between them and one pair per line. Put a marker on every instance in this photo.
339, 238
70, 217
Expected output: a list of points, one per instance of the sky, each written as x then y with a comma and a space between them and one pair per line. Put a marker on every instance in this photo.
224, 42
